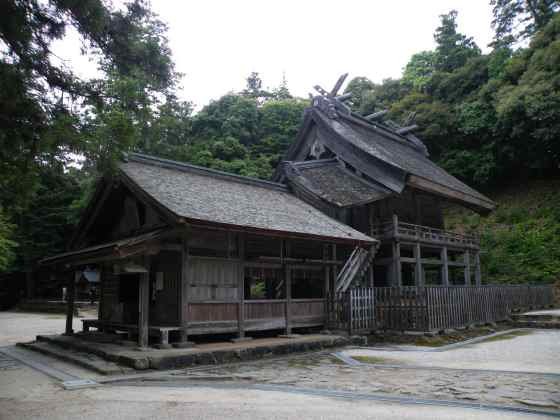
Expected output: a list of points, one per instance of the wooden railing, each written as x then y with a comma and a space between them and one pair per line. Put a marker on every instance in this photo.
253, 315
355, 266
437, 308
414, 233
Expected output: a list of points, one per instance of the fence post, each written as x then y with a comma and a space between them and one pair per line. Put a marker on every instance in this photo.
350, 312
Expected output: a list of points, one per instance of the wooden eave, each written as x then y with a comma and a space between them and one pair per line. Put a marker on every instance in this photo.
114, 250
472, 202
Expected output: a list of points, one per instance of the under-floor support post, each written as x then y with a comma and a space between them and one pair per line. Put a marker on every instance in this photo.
397, 266
467, 259
444, 267
418, 275
477, 271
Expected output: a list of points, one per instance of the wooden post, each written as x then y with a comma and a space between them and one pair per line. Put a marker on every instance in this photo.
477, 273
143, 308
241, 288
334, 271
184, 291
467, 259
419, 280
397, 267
288, 282
444, 267
70, 304
326, 270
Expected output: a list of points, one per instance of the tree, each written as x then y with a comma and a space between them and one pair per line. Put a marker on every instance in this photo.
516, 20
453, 48
419, 69
48, 114
254, 89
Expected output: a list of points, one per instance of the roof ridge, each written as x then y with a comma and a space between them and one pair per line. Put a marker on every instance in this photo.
201, 170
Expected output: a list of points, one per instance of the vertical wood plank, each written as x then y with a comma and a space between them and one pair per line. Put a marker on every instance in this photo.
70, 292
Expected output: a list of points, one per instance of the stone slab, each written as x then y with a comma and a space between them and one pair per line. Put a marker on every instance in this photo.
202, 354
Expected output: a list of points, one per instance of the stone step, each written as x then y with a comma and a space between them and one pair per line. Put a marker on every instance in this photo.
82, 359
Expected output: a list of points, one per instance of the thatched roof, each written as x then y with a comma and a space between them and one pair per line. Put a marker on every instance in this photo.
201, 195
388, 158
331, 181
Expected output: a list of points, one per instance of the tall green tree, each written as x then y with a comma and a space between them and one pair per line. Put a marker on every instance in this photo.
516, 20
453, 48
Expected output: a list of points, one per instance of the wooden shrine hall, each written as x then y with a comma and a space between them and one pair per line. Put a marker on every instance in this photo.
356, 206
185, 250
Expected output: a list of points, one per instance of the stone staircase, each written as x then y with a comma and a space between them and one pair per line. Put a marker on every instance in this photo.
87, 360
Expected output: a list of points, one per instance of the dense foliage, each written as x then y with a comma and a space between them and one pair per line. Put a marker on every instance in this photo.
521, 239
487, 118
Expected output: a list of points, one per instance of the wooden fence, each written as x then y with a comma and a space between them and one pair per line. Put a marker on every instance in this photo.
352, 310
438, 307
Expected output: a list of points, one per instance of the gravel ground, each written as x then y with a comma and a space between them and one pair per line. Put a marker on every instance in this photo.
515, 389
534, 352
22, 326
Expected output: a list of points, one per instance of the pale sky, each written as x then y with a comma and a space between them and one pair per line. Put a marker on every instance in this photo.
217, 43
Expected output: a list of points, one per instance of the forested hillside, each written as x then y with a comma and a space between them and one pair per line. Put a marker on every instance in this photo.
489, 119
521, 239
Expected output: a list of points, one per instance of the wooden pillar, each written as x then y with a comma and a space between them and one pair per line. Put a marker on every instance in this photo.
467, 259
397, 269
418, 274
184, 291
444, 267
70, 292
143, 307
326, 270
334, 271
288, 282
397, 266
241, 288
477, 272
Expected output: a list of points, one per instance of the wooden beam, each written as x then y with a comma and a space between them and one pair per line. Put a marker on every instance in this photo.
70, 291
338, 84
376, 115
444, 268
405, 130
143, 309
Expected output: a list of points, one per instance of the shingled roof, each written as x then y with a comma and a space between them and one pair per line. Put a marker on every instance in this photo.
331, 181
201, 195
385, 156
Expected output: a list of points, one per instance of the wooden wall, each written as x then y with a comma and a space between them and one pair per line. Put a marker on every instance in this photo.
411, 206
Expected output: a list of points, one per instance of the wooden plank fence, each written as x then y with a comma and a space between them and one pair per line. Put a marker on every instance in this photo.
352, 310
439, 307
